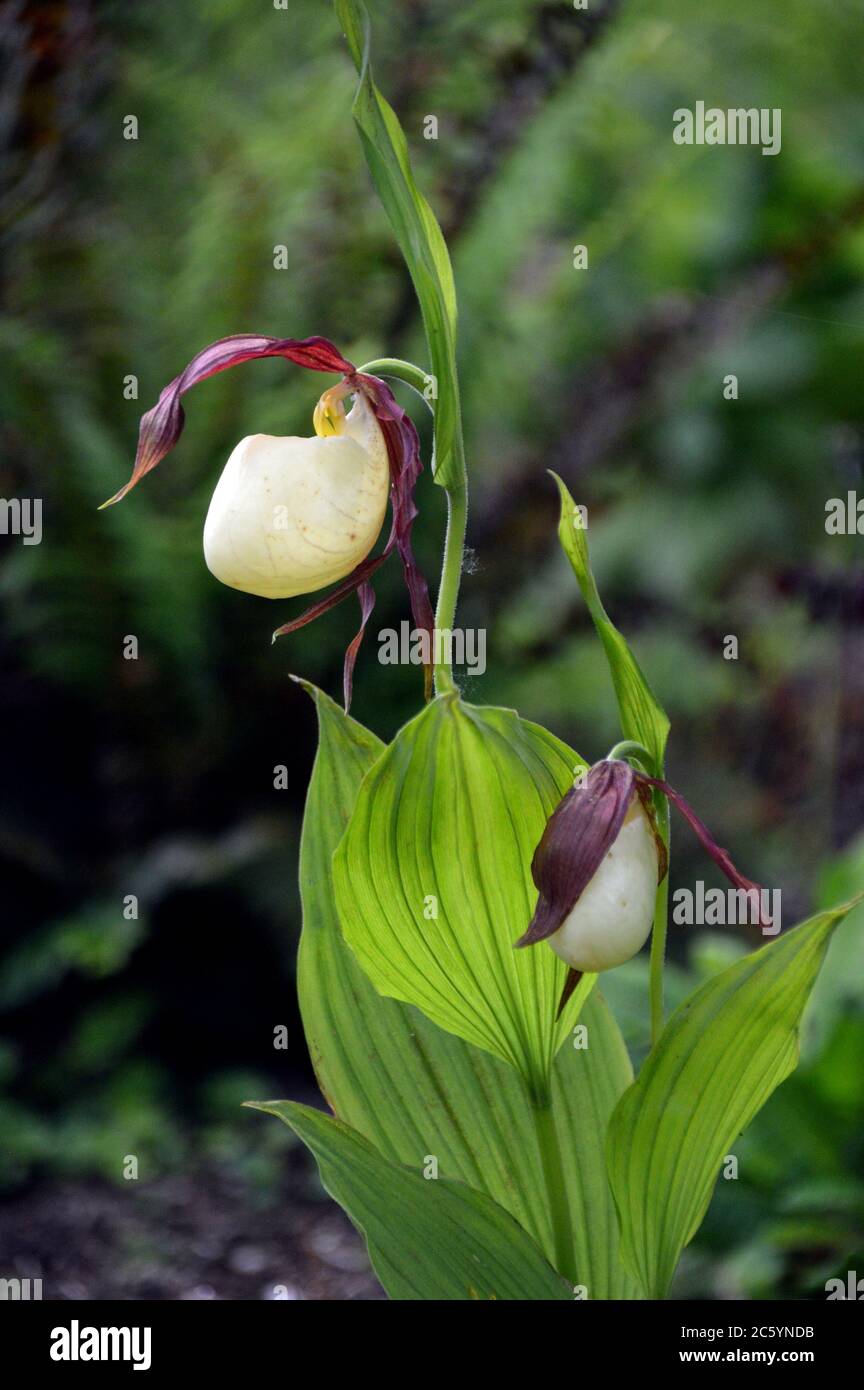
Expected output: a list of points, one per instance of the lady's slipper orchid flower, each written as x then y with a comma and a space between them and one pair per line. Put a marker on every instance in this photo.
598, 865
289, 515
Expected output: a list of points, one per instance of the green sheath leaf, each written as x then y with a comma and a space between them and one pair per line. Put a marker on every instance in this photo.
642, 717
418, 234
719, 1058
428, 1238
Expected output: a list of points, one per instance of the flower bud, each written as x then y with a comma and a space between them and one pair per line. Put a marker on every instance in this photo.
612, 918
598, 865
291, 515
597, 868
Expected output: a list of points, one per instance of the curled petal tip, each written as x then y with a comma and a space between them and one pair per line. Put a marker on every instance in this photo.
112, 501
573, 979
161, 426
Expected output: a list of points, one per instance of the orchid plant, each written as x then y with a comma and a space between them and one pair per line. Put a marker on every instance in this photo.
464, 886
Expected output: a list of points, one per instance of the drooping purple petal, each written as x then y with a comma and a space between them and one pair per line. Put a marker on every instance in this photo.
580, 832
403, 453
403, 449
573, 978
162, 426
366, 597
720, 856
644, 794
344, 589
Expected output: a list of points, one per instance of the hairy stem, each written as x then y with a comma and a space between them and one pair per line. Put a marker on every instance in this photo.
658, 937
457, 518
628, 748
451, 573
635, 751
402, 371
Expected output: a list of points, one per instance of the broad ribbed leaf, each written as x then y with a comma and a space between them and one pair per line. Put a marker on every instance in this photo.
418, 234
719, 1058
428, 1238
433, 881
642, 717
414, 1090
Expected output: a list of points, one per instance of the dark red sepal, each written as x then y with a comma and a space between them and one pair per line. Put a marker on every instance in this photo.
573, 978
403, 452
162, 426
721, 857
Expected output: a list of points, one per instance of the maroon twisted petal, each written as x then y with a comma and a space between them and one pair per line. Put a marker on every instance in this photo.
162, 426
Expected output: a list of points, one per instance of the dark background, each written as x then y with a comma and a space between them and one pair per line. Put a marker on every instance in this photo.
154, 776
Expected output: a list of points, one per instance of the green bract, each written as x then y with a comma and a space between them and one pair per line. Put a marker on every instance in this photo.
642, 716
420, 239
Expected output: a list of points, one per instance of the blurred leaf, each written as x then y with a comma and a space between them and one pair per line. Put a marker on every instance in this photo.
626, 989
106, 1032
711, 952
841, 982
96, 941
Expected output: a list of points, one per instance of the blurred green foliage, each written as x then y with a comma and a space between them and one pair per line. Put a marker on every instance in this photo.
706, 518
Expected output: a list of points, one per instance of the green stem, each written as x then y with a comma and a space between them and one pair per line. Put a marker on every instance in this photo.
658, 938
556, 1188
630, 749
457, 517
451, 574
413, 376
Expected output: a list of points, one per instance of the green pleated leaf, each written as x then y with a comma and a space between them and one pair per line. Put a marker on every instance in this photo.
433, 882
719, 1058
428, 1238
419, 236
415, 1090
642, 717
